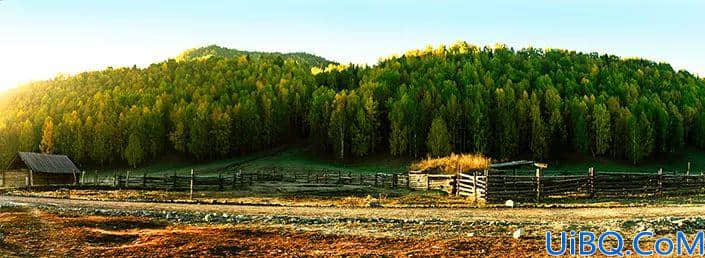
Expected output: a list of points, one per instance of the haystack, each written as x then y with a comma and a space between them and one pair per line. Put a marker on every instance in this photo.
452, 164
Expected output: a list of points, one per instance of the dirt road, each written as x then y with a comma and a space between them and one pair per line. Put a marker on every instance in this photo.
455, 214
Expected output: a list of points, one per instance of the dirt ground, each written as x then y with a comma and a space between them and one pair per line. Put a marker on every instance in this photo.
38, 233
52, 227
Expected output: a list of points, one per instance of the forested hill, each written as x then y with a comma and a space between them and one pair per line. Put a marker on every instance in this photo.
217, 51
497, 101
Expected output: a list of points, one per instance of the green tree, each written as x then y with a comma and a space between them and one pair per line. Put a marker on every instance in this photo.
676, 131
47, 144
27, 136
580, 130
438, 141
134, 154
538, 143
602, 127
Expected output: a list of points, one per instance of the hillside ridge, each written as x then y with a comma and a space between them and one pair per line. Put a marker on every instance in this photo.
224, 52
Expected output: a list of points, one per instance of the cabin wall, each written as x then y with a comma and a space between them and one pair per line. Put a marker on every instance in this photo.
14, 178
21, 178
52, 179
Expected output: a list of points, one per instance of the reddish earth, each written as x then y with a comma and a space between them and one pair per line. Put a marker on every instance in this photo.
31, 232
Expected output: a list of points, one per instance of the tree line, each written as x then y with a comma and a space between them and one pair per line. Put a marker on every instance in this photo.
497, 101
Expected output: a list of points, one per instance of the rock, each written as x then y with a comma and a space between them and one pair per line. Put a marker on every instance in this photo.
509, 203
471, 234
518, 233
373, 204
207, 218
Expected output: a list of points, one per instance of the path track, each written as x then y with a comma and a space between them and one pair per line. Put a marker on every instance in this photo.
455, 214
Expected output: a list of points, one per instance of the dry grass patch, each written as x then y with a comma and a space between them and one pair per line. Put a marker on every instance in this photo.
453, 164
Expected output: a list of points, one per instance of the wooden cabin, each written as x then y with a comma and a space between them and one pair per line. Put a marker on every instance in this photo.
30, 169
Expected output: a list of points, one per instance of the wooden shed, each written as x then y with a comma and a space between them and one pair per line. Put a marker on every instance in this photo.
30, 169
422, 180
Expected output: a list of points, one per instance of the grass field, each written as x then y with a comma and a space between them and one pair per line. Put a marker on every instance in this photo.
300, 159
285, 159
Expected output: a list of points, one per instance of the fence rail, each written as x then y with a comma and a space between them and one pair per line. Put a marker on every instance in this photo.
491, 185
534, 185
233, 180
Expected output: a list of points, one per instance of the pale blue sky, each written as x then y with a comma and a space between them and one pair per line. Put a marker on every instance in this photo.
39, 39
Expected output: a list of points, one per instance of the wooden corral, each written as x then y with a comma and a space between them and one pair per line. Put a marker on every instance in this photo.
419, 180
30, 169
533, 185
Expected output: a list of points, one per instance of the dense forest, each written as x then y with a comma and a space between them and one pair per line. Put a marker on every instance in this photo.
217, 51
213, 102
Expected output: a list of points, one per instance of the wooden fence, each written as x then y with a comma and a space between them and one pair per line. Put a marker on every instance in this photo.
233, 180
534, 185
472, 184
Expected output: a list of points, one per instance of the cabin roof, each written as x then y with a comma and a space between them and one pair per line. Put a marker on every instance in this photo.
46, 163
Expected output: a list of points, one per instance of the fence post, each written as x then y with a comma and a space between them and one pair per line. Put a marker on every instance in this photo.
127, 180
688, 171
83, 177
474, 185
31, 177
538, 185
702, 179
115, 179
659, 190
408, 180
220, 180
234, 179
395, 179
376, 179
591, 182
486, 174
190, 194
144, 178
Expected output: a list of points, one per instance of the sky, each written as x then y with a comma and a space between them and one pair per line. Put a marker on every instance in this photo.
40, 39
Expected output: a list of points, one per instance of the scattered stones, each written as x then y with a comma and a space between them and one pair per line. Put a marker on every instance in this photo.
509, 203
518, 233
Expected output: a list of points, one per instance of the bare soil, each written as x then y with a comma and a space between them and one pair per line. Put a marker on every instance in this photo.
36, 233
52, 227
